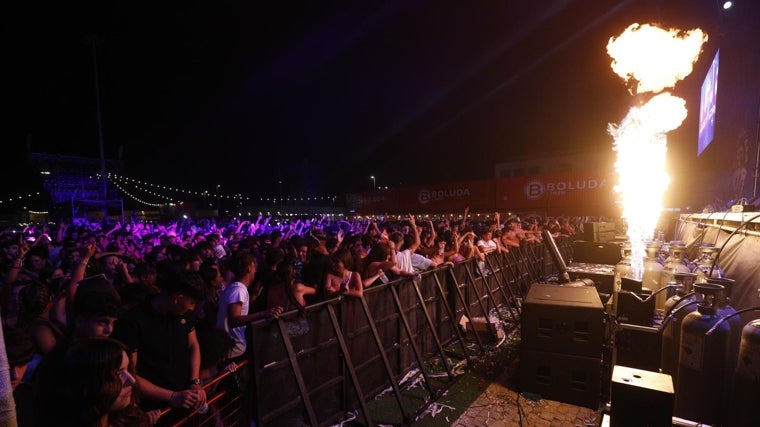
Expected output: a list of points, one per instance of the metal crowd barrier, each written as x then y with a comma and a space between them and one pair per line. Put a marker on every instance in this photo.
223, 405
314, 367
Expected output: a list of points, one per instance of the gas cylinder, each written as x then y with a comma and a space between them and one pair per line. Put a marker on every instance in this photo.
671, 336
701, 387
674, 264
652, 268
622, 269
677, 308
746, 398
685, 282
726, 283
723, 306
706, 267
716, 294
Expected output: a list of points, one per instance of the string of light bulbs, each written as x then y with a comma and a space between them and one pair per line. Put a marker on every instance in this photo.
17, 198
137, 199
145, 190
144, 185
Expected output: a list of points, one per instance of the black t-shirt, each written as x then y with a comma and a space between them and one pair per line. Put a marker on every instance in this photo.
266, 278
315, 271
161, 343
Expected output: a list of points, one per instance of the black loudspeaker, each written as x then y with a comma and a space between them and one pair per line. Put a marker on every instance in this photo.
564, 377
599, 231
640, 398
638, 347
596, 252
563, 319
603, 275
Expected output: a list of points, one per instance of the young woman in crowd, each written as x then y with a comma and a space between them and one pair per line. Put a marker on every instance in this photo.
88, 384
287, 292
379, 259
343, 279
466, 248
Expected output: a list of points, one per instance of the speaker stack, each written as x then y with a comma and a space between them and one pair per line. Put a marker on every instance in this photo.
599, 231
562, 332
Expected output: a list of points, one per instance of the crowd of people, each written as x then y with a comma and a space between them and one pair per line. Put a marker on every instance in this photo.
106, 324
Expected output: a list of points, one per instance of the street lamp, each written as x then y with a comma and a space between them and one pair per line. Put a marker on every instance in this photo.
373, 182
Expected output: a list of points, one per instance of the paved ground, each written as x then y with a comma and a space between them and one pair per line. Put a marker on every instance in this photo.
498, 406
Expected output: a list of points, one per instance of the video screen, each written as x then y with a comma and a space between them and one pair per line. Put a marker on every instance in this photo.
707, 106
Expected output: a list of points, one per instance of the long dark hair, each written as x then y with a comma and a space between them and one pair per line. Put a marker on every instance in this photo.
285, 276
379, 252
346, 257
79, 384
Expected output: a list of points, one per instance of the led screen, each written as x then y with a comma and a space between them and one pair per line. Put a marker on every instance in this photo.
707, 106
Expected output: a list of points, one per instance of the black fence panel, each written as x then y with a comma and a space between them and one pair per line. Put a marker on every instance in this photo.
440, 301
298, 353
301, 373
277, 394
362, 344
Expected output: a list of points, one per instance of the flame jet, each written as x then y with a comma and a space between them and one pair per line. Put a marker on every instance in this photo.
650, 59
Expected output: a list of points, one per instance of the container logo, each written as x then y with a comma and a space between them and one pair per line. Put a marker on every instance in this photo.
536, 189
424, 196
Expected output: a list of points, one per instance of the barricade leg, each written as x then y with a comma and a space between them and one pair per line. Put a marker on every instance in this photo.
350, 366
297, 373
480, 298
452, 318
386, 363
431, 326
498, 275
465, 305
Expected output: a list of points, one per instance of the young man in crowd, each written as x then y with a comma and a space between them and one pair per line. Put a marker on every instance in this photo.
160, 336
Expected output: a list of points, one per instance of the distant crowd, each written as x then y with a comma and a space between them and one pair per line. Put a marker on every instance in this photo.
105, 324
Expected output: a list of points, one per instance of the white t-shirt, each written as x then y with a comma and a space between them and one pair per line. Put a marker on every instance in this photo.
420, 263
233, 294
404, 261
487, 246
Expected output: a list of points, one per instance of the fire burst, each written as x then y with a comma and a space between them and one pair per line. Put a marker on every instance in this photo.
655, 59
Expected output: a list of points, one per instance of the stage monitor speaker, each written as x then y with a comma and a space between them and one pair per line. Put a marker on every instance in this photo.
563, 319
640, 398
563, 377
596, 252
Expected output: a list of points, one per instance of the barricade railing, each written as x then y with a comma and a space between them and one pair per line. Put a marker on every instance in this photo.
223, 405
315, 366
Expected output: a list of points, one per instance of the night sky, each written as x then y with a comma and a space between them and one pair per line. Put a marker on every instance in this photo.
320, 96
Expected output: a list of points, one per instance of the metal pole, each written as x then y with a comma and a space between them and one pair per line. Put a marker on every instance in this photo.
96, 75
757, 157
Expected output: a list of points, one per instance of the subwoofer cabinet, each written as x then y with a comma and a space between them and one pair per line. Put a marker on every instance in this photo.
563, 319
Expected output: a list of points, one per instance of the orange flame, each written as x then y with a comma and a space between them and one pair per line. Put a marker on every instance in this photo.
656, 59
